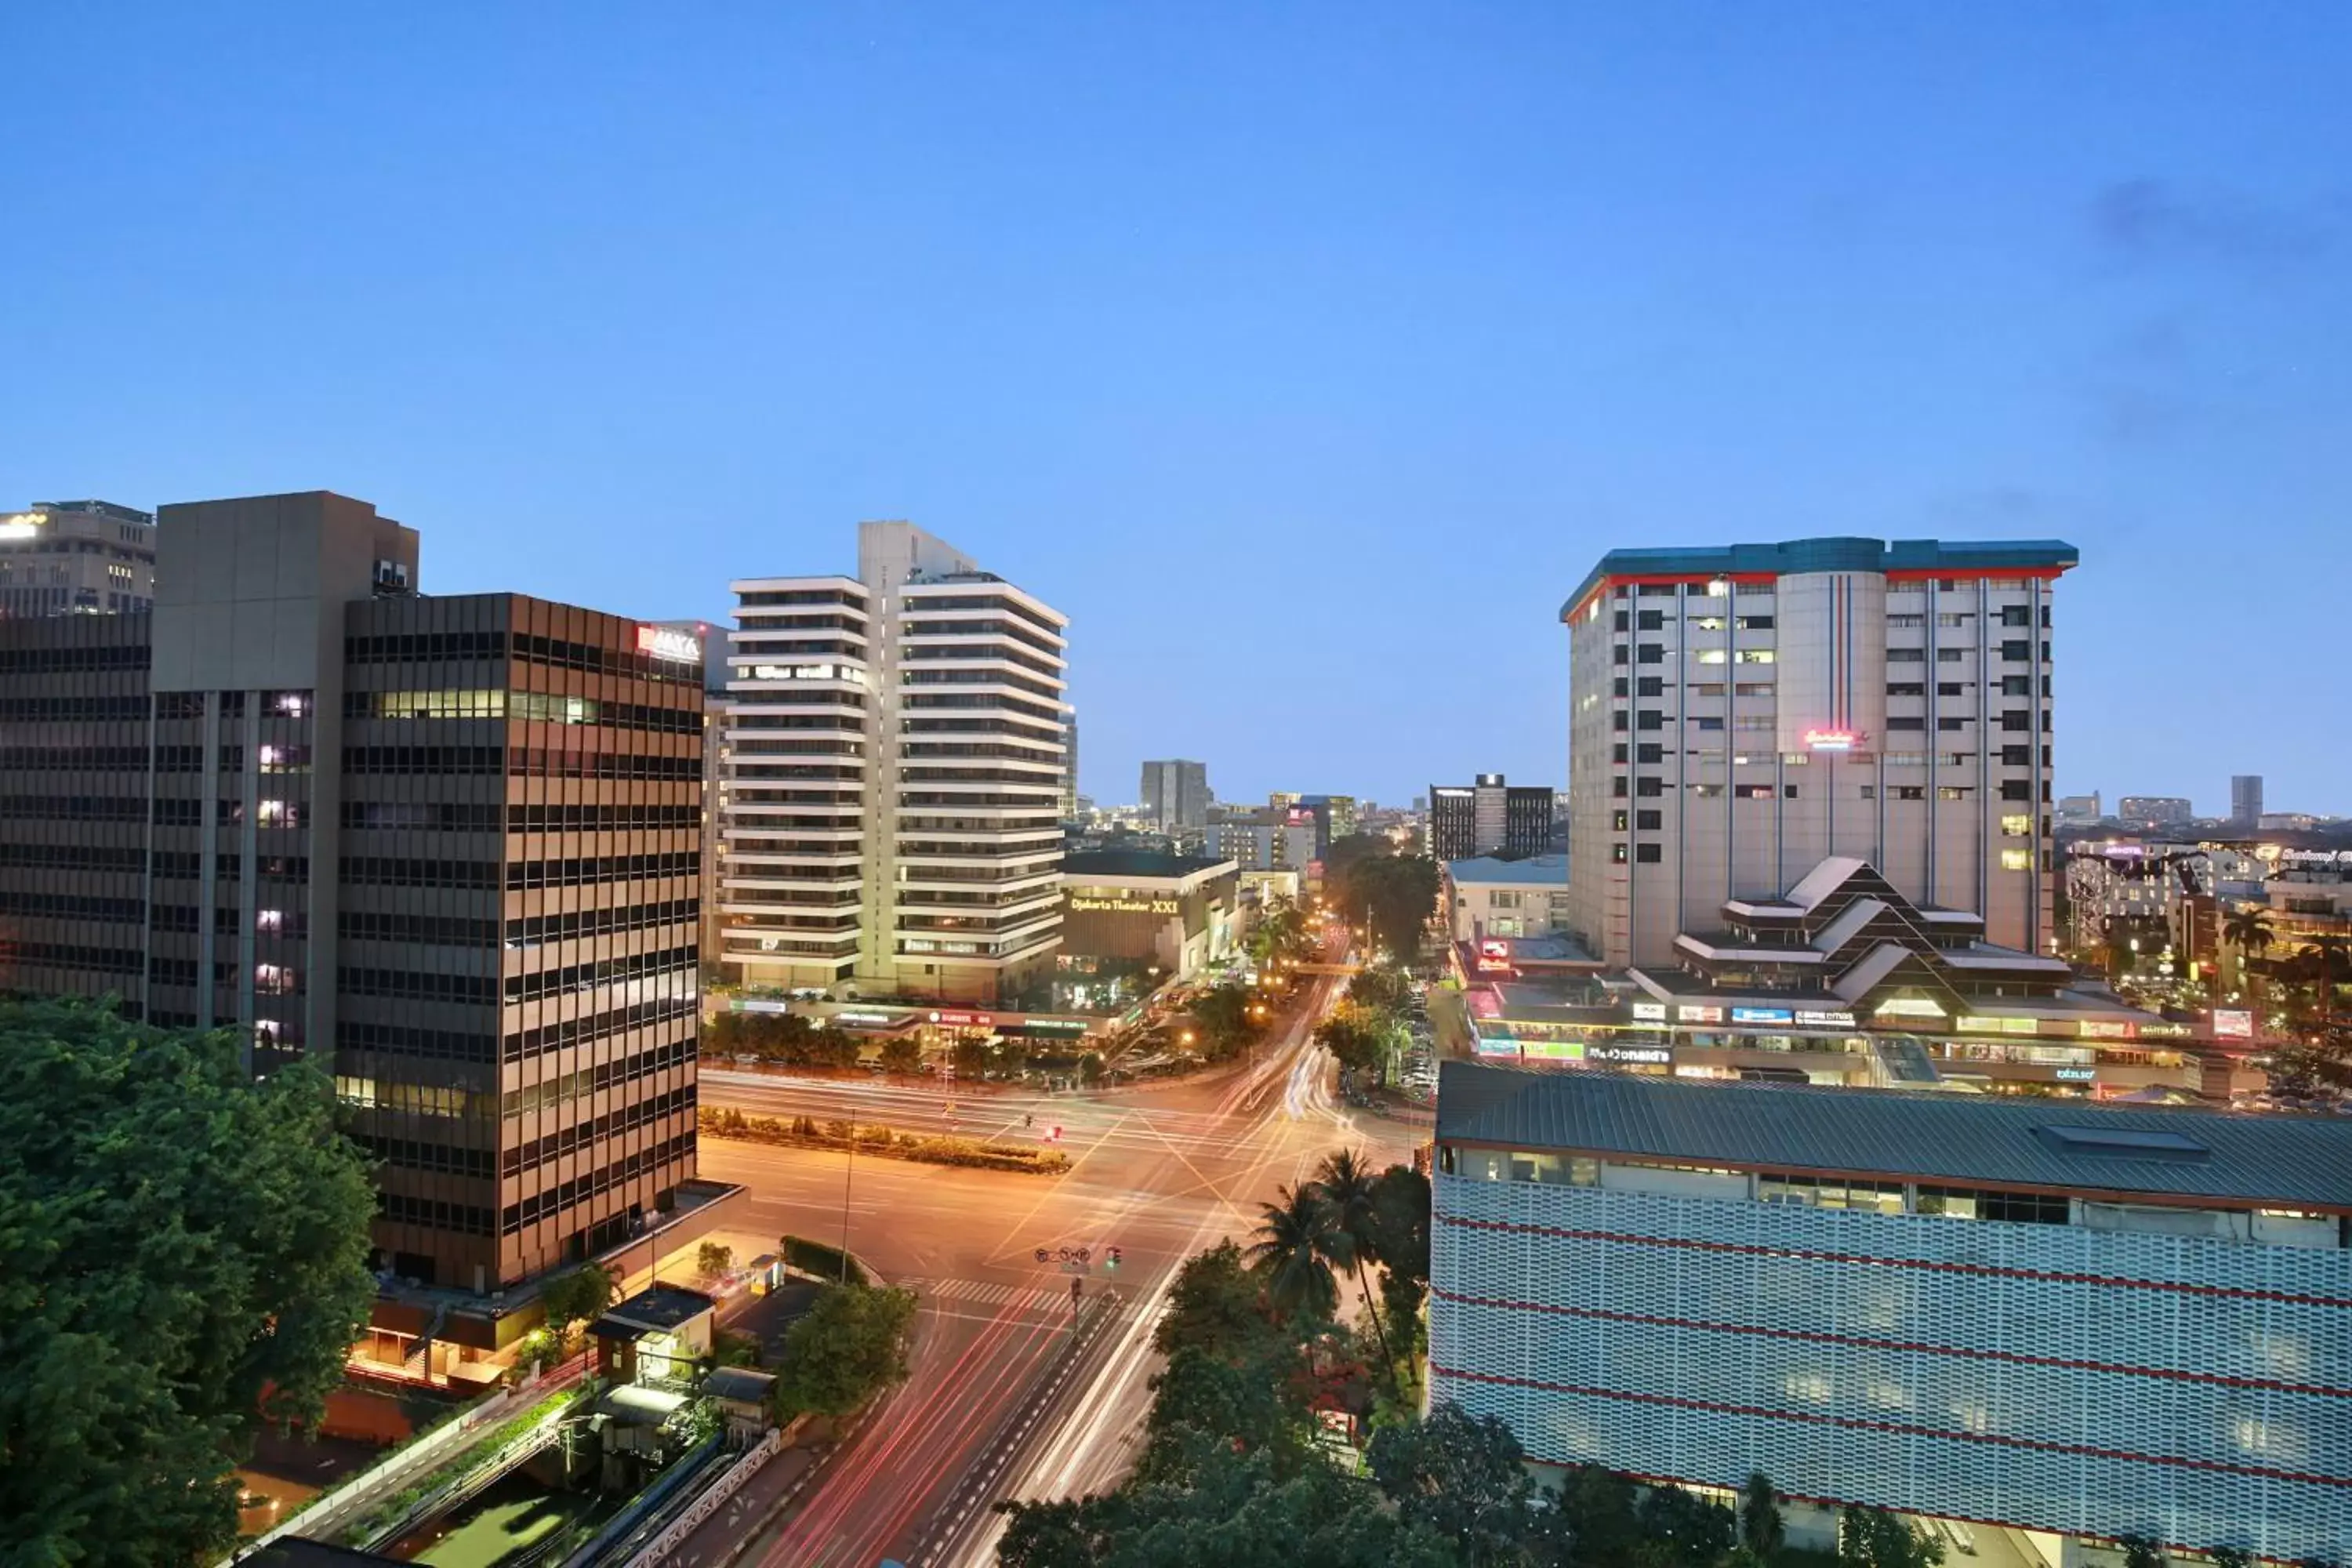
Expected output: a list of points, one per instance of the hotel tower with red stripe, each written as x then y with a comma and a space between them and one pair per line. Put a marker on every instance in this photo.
1741, 714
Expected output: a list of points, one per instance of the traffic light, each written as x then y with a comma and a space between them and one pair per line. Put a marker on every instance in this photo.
1110, 1258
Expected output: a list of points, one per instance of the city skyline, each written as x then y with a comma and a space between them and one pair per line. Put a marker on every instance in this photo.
1489, 295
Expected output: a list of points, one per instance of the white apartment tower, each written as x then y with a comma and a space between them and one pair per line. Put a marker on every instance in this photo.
1741, 714
896, 757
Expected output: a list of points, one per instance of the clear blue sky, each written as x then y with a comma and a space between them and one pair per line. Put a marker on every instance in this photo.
1305, 355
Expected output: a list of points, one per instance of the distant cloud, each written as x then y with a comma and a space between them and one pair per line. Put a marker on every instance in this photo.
2147, 223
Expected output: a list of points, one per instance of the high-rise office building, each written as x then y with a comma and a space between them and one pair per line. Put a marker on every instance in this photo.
2246, 799
77, 558
1176, 795
897, 752
1738, 715
1069, 799
447, 845
1489, 817
2155, 810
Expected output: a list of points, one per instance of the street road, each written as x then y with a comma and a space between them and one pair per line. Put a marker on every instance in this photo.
1159, 1173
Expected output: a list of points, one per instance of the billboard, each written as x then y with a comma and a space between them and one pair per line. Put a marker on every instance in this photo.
2232, 1024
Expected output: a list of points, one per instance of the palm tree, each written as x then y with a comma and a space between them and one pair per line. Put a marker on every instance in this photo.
1348, 1189
2249, 931
1289, 1251
2327, 953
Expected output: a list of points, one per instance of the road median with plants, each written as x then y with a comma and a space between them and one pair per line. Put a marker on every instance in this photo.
887, 1142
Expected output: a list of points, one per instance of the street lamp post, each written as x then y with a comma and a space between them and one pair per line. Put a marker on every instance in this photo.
849, 1170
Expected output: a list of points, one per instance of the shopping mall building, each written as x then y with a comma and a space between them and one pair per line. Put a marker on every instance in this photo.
2075, 1322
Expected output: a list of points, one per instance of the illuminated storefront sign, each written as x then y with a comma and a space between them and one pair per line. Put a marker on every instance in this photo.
2002, 1025
1493, 958
1763, 1015
1121, 904
1908, 1007
669, 643
1497, 1045
1629, 1056
2075, 1074
1690, 1015
965, 1020
863, 1020
1830, 739
2232, 1024
22, 524
2105, 1029
1553, 1050
1825, 1018
1649, 1012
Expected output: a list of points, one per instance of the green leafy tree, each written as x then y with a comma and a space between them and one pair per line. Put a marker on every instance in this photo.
182, 1256
1221, 1016
1873, 1538
1202, 1403
1762, 1530
1214, 1304
579, 1296
2139, 1551
1359, 1037
1591, 1519
1090, 1068
713, 1258
972, 1058
1386, 988
1682, 1529
2231, 1557
1288, 1254
1462, 1476
847, 1348
902, 1054
1349, 1191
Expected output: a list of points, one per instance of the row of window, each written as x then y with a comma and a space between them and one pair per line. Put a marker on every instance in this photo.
534, 705
434, 1214
72, 906
598, 972
72, 709
76, 858
581, 1188
586, 1134
72, 808
422, 1154
410, 647
71, 956
72, 660
398, 871
556, 1091
521, 761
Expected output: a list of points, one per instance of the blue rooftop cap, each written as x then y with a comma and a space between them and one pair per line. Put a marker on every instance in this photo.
1834, 553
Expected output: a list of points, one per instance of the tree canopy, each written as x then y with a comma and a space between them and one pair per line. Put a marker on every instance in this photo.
182, 1256
850, 1346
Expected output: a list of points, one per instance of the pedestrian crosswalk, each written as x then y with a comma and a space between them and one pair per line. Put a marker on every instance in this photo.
992, 1293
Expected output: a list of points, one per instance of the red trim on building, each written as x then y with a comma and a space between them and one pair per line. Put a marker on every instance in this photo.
1864, 1341
2120, 1281
1975, 573
1900, 1429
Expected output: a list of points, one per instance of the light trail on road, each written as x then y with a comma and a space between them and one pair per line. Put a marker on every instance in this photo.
1161, 1172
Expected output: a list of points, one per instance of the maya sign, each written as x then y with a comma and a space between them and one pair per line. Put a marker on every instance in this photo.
1830, 739
668, 642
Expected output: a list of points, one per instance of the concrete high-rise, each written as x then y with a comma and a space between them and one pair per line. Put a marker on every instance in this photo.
897, 747
1741, 714
77, 558
2246, 800
1176, 795
1489, 817
446, 845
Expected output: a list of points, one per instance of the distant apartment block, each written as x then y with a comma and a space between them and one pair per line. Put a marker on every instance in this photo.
1175, 794
1490, 816
77, 558
2155, 810
896, 766
2246, 799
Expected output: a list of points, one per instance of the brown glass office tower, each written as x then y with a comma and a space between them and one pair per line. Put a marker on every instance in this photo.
449, 845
